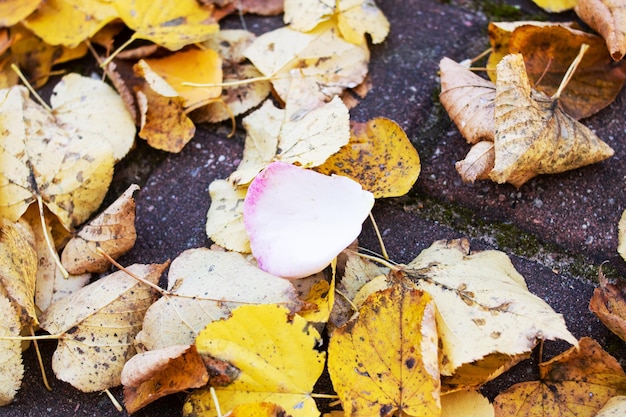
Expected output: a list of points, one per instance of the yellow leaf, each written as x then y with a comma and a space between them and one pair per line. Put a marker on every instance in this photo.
577, 383
466, 404
556, 6
206, 285
379, 156
13, 11
169, 24
97, 326
224, 224
386, 360
11, 367
321, 293
263, 409
608, 18
113, 231
274, 354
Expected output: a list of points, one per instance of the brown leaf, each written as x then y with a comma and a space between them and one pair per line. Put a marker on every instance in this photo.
608, 18
609, 304
478, 162
533, 134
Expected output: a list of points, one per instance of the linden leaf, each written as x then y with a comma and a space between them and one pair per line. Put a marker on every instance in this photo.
299, 220
615, 407
379, 156
274, 354
224, 224
466, 404
621, 247
13, 11
608, 303
577, 383
97, 326
556, 6
469, 101
386, 360
608, 18
151, 375
533, 134
481, 297
112, 231
11, 367
172, 25
478, 162
321, 56
206, 285
68, 171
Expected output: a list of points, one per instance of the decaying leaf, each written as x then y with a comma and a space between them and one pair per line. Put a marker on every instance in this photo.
151, 375
469, 101
97, 325
112, 231
478, 162
379, 156
206, 285
385, 361
224, 224
481, 297
609, 304
11, 367
621, 237
608, 18
533, 134
577, 383
274, 354
230, 44
615, 407
466, 404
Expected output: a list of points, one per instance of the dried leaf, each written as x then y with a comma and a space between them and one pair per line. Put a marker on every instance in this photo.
615, 407
379, 156
533, 134
275, 355
112, 231
13, 11
577, 383
230, 45
621, 247
151, 375
466, 404
207, 285
469, 101
386, 360
224, 224
609, 304
97, 325
11, 367
262, 409
478, 162
608, 18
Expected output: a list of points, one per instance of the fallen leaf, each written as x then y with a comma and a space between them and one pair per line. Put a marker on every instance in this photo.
481, 297
608, 303
379, 156
615, 407
321, 294
261, 7
112, 231
298, 220
11, 367
275, 355
469, 101
621, 247
171, 25
13, 11
577, 383
607, 17
478, 162
386, 360
97, 326
224, 224
262, 409
206, 285
533, 134
466, 404
230, 44
556, 6
320, 56
151, 375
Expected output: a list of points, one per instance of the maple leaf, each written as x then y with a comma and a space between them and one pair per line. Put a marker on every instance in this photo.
607, 17
274, 355
386, 360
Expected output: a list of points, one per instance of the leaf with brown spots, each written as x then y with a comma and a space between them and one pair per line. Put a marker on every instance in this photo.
608, 18
577, 383
385, 361
609, 304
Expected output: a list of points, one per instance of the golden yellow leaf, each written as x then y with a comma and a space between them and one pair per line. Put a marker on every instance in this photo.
276, 359
319, 292
615, 407
97, 326
69, 22
469, 101
533, 134
609, 304
11, 367
556, 6
112, 231
466, 404
379, 156
608, 18
478, 162
70, 173
621, 238
263, 409
151, 375
577, 383
13, 11
207, 285
224, 224
385, 361
320, 56
169, 24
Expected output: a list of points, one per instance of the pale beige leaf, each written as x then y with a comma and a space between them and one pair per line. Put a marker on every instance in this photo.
469, 101
224, 224
478, 162
305, 15
207, 285
621, 247
466, 404
11, 367
230, 44
608, 18
98, 325
112, 231
615, 407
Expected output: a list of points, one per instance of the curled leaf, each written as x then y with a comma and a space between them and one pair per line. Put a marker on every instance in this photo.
478, 162
608, 18
609, 304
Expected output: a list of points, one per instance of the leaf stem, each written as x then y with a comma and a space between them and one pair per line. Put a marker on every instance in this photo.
40, 337
328, 396
234, 83
19, 73
52, 249
570, 71
114, 400
123, 268
44, 377
116, 52
216, 402
379, 237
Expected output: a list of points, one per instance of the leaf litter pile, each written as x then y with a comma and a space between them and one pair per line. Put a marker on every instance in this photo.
239, 325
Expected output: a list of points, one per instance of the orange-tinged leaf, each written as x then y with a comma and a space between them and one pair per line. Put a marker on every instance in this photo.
575, 383
379, 156
608, 18
609, 304
154, 374
385, 361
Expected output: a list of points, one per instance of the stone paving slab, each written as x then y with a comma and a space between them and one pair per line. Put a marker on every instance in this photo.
546, 226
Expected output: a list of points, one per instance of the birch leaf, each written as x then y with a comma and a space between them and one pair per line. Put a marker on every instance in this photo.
608, 18
275, 355
207, 285
11, 367
224, 224
97, 326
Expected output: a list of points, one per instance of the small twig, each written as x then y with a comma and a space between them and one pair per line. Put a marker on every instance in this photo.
114, 400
